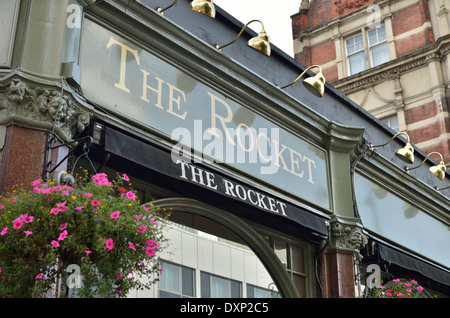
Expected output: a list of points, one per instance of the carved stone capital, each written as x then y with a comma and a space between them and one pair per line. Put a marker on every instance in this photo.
347, 238
44, 106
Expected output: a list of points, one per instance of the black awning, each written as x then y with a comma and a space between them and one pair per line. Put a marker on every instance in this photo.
159, 159
409, 262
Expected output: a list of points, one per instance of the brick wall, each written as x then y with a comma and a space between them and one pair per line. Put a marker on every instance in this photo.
322, 11
406, 20
432, 133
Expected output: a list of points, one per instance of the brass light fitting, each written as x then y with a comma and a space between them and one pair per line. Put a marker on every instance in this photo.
260, 42
203, 6
315, 84
406, 154
438, 171
168, 7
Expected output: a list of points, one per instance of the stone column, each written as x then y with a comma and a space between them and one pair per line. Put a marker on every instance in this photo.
346, 239
44, 37
36, 104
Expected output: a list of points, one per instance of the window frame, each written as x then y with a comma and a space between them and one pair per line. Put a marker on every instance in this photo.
178, 293
367, 48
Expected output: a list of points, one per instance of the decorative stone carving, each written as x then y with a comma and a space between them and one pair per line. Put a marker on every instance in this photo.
347, 238
42, 107
343, 5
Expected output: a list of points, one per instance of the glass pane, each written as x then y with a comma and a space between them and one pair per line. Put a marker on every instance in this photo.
392, 123
380, 54
354, 44
170, 278
205, 282
261, 293
377, 35
164, 294
187, 276
219, 288
300, 284
297, 259
357, 63
281, 252
236, 289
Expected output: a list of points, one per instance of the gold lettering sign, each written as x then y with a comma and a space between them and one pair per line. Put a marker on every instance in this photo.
139, 86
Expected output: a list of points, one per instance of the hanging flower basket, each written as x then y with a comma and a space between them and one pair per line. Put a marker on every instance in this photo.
398, 288
95, 236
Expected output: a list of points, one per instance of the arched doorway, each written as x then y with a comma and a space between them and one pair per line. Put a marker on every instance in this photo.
214, 221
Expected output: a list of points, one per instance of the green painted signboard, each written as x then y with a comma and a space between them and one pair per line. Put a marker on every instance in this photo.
129, 81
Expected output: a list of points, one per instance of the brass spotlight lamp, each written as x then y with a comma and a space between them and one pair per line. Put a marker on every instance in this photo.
315, 84
260, 43
438, 171
203, 6
406, 154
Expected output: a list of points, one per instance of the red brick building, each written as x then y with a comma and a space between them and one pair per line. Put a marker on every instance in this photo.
390, 57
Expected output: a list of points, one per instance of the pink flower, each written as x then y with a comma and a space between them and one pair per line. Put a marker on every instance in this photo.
63, 226
3, 232
55, 244
55, 211
79, 208
125, 177
150, 251
419, 288
101, 179
150, 243
36, 182
39, 276
131, 246
109, 244
400, 294
27, 219
28, 232
95, 202
153, 222
388, 294
17, 224
408, 290
396, 280
61, 205
88, 252
87, 195
115, 215
62, 235
142, 229
1, 207
130, 195
120, 275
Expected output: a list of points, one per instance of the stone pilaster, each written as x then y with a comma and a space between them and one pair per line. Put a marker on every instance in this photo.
33, 111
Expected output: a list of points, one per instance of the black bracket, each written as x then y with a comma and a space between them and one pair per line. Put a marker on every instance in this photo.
84, 141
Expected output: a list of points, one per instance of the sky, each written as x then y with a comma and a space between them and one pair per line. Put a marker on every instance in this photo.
275, 17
